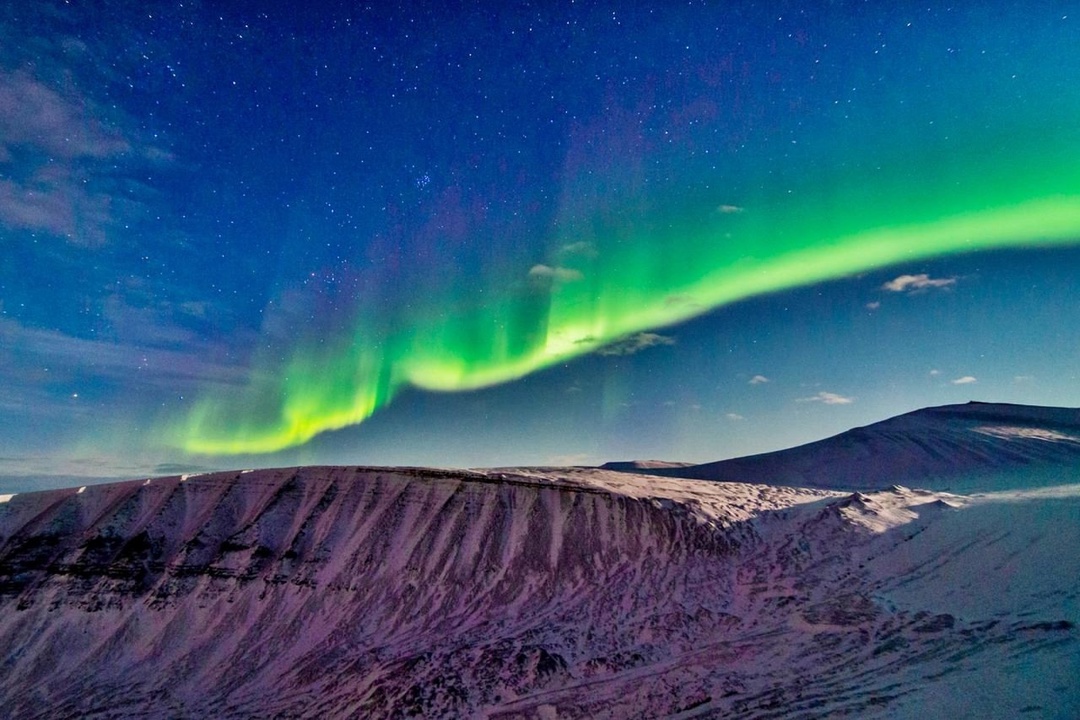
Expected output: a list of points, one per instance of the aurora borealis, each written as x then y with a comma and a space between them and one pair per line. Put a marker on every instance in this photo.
504, 340
523, 229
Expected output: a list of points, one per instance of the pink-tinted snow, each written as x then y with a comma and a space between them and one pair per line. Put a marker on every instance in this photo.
335, 592
546, 593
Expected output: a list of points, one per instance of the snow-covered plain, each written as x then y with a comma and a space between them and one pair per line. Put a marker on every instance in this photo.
536, 593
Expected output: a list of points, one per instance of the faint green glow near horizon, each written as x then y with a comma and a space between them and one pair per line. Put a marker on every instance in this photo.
637, 281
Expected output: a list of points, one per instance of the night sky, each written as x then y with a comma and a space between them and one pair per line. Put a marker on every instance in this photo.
242, 234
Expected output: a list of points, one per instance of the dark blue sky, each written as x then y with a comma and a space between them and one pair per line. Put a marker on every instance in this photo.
592, 233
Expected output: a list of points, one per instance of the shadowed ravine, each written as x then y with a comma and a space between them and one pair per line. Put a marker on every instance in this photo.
352, 592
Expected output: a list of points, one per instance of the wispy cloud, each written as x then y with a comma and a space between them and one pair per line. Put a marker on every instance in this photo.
914, 283
150, 355
62, 152
734, 417
558, 274
759, 380
57, 206
636, 343
966, 380
34, 115
570, 460
682, 300
30, 472
827, 398
583, 248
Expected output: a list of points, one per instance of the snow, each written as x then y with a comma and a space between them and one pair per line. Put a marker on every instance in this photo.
587, 592
961, 448
1007, 432
543, 593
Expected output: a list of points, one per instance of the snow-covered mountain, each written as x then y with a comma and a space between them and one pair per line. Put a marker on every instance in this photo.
535, 593
953, 447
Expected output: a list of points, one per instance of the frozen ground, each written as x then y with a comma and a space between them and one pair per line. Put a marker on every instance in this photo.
536, 593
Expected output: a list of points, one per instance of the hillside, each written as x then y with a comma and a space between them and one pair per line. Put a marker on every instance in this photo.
977, 446
393, 592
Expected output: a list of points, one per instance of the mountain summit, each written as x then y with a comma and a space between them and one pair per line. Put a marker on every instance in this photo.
952, 447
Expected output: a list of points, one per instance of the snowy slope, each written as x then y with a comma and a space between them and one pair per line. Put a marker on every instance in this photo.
353, 592
955, 447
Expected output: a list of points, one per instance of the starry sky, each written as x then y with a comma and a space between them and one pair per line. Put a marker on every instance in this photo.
459, 234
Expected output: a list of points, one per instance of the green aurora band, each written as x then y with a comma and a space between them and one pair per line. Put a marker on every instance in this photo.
620, 278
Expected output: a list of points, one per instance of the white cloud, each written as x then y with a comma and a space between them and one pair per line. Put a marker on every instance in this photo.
734, 417
966, 380
759, 380
570, 459
144, 358
683, 301
912, 283
62, 207
558, 274
727, 209
935, 373
583, 248
873, 305
828, 398
77, 165
636, 343
62, 125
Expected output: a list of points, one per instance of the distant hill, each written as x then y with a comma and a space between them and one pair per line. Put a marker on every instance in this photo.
952, 447
645, 466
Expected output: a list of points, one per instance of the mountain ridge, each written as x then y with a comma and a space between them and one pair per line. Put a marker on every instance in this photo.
947, 447
328, 591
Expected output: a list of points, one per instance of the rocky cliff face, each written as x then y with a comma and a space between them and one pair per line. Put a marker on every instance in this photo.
353, 592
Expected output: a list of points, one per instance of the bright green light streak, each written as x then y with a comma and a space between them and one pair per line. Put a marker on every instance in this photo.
636, 284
